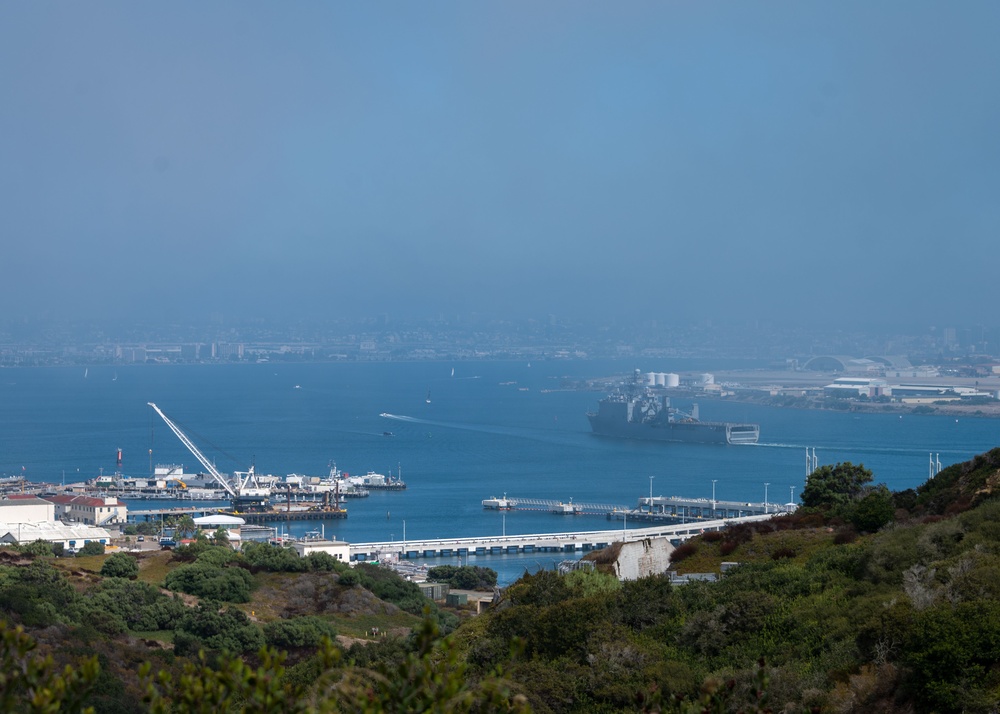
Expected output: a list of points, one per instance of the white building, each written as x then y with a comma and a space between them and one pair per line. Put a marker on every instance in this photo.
856, 387
340, 550
231, 524
26, 509
72, 537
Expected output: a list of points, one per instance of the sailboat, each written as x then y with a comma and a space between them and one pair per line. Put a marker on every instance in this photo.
452, 371
428, 400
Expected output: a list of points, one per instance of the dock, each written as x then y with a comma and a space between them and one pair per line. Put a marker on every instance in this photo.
277, 516
571, 542
541, 504
660, 509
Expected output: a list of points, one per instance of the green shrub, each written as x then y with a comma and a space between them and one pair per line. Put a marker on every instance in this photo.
91, 547
208, 628
225, 584
349, 578
273, 558
120, 565
464, 577
298, 632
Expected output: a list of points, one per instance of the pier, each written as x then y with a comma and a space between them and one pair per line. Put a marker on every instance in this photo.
668, 509
675, 507
278, 516
561, 507
538, 542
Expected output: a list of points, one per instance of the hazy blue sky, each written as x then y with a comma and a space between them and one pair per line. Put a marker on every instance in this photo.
791, 160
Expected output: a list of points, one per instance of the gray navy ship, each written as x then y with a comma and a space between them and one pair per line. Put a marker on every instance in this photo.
636, 412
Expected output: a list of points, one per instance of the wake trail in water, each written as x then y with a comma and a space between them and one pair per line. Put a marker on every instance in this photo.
534, 435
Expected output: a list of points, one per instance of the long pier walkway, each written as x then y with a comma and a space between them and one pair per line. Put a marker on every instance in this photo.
658, 508
537, 542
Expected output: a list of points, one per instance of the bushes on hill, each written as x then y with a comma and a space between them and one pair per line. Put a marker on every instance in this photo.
298, 632
464, 577
208, 628
273, 558
120, 565
91, 547
208, 581
388, 586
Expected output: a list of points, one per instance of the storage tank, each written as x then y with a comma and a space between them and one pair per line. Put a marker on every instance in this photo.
660, 379
671, 380
707, 378
650, 379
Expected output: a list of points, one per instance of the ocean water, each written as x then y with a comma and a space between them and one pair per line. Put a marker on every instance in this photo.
488, 429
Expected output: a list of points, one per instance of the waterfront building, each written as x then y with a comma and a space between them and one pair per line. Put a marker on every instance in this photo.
340, 550
71, 537
853, 387
231, 524
22, 508
89, 510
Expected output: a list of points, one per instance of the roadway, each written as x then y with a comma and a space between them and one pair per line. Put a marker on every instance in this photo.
537, 542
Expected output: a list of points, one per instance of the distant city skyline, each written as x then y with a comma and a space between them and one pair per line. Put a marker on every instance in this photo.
71, 342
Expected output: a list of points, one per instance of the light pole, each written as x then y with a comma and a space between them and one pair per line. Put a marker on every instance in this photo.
404, 536
651, 494
504, 515
791, 494
713, 496
766, 484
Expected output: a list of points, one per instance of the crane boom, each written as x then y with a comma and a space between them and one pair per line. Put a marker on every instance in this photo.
194, 450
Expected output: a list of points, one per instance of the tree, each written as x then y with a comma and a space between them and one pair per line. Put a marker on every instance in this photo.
835, 485
464, 577
221, 536
120, 565
185, 526
92, 547
31, 683
873, 511
38, 547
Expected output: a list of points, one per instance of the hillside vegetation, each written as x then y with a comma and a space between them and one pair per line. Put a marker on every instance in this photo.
864, 600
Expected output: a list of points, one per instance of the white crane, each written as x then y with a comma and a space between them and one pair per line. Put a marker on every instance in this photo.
241, 484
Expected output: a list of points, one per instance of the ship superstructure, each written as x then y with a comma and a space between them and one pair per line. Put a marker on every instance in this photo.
635, 411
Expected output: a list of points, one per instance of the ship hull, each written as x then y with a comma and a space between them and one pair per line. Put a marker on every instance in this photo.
682, 432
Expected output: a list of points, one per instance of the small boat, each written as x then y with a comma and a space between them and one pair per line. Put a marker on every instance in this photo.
387, 433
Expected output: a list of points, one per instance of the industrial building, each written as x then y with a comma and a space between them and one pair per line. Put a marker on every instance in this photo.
231, 524
25, 519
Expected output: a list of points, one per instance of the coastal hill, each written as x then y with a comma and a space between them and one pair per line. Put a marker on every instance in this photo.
902, 617
863, 600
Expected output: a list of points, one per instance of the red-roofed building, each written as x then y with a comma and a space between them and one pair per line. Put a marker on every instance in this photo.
95, 511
